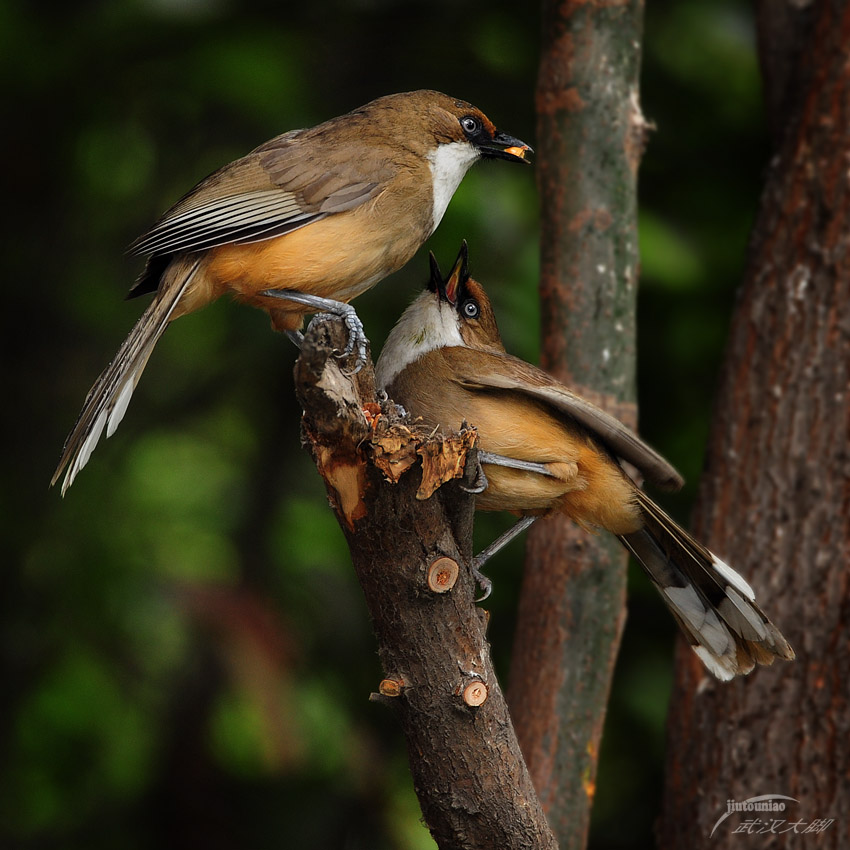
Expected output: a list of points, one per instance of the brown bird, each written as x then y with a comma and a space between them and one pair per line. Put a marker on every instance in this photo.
303, 223
545, 450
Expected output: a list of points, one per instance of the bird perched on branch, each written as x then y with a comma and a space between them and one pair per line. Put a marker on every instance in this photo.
302, 224
545, 450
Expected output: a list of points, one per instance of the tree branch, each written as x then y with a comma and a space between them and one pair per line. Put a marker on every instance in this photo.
590, 139
784, 30
411, 552
775, 497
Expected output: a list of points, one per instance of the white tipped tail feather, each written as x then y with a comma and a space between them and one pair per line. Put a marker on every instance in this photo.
714, 606
108, 399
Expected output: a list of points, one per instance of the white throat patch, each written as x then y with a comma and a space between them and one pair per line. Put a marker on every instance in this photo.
449, 162
428, 323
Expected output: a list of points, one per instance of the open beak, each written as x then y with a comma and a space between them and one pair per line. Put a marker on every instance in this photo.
503, 146
459, 275
447, 290
435, 282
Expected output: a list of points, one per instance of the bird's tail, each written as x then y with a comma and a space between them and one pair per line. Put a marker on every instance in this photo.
714, 606
107, 400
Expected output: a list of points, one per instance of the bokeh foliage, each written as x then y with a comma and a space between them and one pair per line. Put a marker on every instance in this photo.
186, 656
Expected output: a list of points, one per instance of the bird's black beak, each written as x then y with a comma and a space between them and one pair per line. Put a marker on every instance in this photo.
435, 282
447, 289
458, 277
503, 146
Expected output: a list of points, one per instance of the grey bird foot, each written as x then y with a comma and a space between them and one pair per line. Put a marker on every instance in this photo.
499, 543
357, 340
479, 485
296, 338
482, 581
383, 398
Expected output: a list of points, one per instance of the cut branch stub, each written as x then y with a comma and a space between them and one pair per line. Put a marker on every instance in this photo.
391, 687
404, 520
475, 694
442, 575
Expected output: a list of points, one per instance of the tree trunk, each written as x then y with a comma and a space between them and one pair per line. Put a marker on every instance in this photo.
775, 497
412, 553
571, 612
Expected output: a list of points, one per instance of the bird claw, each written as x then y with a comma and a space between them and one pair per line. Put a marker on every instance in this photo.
479, 485
328, 308
356, 336
482, 581
499, 543
296, 337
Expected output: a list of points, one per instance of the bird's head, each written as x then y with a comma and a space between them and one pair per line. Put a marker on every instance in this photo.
451, 311
428, 126
476, 321
426, 121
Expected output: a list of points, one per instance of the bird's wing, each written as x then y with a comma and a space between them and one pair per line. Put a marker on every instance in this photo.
490, 371
279, 187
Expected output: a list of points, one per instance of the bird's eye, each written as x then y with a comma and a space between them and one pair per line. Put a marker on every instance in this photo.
470, 309
470, 125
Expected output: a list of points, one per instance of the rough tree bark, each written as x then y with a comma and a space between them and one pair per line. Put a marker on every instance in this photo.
775, 497
412, 557
571, 613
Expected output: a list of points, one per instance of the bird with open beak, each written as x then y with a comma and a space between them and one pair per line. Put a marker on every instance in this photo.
546, 450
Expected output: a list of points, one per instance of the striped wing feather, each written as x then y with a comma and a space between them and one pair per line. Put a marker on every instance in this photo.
504, 372
275, 189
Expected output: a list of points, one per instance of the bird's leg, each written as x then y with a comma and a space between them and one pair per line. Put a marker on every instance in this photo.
479, 485
383, 398
296, 338
356, 337
485, 554
513, 463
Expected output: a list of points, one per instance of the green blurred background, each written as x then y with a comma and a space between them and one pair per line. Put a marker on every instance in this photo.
186, 657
